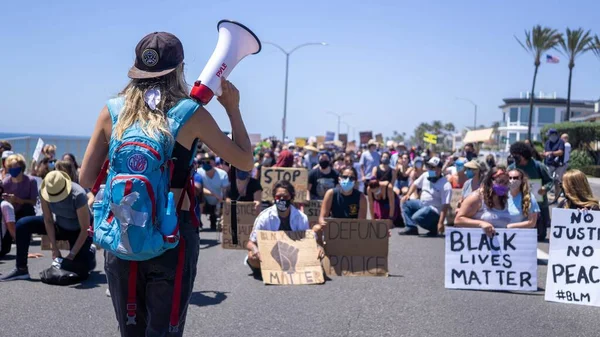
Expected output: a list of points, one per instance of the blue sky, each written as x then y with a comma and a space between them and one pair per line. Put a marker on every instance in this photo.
390, 64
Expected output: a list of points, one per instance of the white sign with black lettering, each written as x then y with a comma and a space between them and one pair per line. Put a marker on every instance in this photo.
573, 266
508, 261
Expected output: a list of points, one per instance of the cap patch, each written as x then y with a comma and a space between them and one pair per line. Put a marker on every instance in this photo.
150, 57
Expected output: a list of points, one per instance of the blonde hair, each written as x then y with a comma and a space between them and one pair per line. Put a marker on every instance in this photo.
16, 158
525, 192
578, 190
49, 148
67, 167
153, 123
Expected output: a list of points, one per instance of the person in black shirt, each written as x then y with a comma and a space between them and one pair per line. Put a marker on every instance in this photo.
322, 178
249, 189
345, 201
383, 171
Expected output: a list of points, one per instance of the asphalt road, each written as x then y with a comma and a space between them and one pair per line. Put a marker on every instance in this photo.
229, 302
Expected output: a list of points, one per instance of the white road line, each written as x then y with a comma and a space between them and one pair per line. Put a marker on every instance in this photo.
542, 255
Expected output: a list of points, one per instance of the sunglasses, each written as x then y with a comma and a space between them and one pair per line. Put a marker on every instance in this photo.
281, 197
352, 178
514, 178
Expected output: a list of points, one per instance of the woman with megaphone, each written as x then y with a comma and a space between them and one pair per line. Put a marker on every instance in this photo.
155, 106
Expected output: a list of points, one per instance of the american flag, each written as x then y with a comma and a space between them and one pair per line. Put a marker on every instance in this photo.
552, 59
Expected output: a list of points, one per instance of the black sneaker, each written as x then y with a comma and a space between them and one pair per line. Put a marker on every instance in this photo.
16, 274
410, 231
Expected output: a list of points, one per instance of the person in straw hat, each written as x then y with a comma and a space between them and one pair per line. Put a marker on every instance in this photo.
66, 216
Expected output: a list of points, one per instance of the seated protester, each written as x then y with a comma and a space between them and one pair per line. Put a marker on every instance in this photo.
382, 200
7, 225
403, 174
249, 189
322, 178
522, 206
282, 216
20, 189
458, 177
71, 157
215, 183
486, 208
67, 202
3, 169
344, 201
430, 210
578, 193
474, 171
384, 172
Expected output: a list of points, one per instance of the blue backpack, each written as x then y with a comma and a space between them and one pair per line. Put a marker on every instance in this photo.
133, 209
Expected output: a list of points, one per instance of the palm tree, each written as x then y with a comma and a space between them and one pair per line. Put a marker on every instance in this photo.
437, 127
537, 42
595, 46
577, 42
449, 127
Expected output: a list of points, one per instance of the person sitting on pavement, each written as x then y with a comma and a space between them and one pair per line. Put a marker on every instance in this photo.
215, 183
578, 193
474, 171
66, 216
344, 201
249, 189
20, 189
282, 216
486, 208
537, 173
403, 174
382, 200
522, 206
322, 178
384, 172
3, 169
457, 176
7, 225
430, 210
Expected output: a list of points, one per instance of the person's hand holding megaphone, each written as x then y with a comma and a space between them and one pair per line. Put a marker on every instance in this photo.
230, 97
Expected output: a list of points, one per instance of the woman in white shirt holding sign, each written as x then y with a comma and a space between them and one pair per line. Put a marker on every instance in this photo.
522, 206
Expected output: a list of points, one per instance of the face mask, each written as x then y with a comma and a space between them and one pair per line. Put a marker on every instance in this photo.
469, 173
431, 173
347, 185
500, 190
282, 205
469, 155
514, 184
14, 171
517, 159
385, 161
51, 165
206, 166
242, 175
460, 167
324, 164
553, 138
266, 162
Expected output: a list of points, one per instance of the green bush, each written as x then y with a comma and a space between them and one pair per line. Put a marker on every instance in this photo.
593, 171
580, 159
580, 133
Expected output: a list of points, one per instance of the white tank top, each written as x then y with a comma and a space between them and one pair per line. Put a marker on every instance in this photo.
497, 218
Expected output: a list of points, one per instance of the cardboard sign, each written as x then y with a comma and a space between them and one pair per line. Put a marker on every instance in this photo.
38, 149
320, 140
456, 197
289, 258
254, 138
312, 209
246, 214
300, 142
61, 244
329, 136
379, 138
356, 247
574, 263
297, 176
343, 137
508, 261
365, 137
351, 146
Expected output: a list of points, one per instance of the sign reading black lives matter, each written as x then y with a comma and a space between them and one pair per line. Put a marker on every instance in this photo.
573, 266
508, 261
289, 258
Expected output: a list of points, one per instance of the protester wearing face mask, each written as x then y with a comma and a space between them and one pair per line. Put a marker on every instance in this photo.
322, 178
469, 152
368, 160
215, 183
345, 201
5, 155
400, 150
382, 200
458, 178
578, 193
522, 207
403, 174
430, 210
310, 158
415, 171
19, 189
486, 208
554, 153
474, 171
384, 172
538, 176
282, 216
249, 189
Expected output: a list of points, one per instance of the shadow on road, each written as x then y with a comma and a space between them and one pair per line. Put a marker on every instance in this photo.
205, 244
95, 280
200, 299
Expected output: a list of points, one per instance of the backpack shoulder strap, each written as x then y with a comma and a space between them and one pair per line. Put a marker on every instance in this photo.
115, 105
180, 114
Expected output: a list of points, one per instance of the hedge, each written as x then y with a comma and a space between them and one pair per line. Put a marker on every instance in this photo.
580, 133
593, 171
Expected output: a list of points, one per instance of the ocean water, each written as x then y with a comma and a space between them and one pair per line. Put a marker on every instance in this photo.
25, 144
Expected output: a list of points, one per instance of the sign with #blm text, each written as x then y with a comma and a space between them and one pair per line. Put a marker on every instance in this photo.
246, 214
289, 258
356, 247
297, 176
508, 261
574, 262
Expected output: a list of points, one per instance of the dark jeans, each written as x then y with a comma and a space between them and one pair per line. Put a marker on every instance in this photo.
35, 224
6, 243
25, 210
211, 210
416, 214
155, 286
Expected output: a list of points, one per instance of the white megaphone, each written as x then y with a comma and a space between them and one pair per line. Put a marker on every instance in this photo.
235, 42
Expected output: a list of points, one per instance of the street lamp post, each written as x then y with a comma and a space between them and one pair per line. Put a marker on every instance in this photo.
287, 66
475, 106
339, 118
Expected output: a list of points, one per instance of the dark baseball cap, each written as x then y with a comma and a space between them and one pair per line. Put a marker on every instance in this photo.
157, 54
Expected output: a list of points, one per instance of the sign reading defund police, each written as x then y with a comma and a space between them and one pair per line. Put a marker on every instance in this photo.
573, 266
508, 261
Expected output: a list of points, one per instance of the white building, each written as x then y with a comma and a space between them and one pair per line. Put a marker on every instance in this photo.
547, 109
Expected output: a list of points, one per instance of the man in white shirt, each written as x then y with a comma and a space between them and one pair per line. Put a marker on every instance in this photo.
567, 155
430, 211
215, 182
